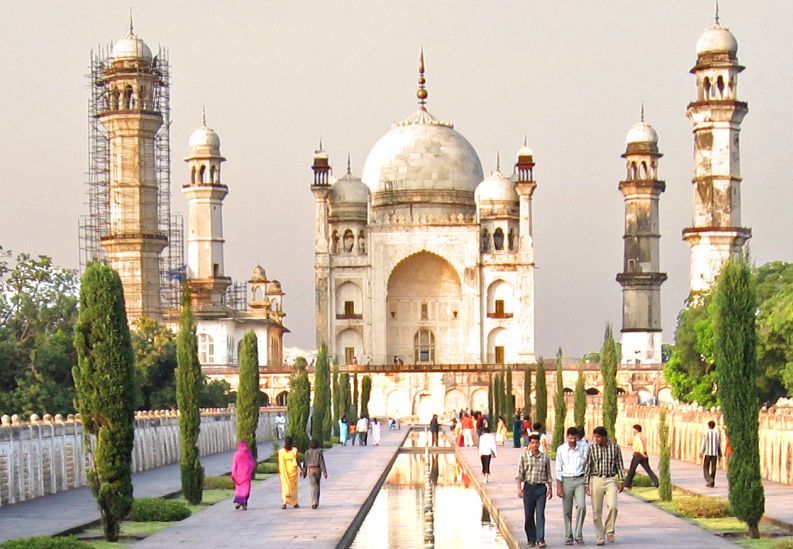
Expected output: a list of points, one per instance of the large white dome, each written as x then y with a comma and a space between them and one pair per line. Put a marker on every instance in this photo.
422, 153
717, 39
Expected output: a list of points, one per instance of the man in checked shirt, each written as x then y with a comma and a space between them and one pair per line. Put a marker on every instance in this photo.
603, 478
534, 487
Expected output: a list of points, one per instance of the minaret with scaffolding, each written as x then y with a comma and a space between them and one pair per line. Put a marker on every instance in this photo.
130, 225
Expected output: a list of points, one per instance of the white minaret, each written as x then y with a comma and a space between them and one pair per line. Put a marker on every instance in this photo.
716, 114
525, 186
321, 187
641, 278
205, 193
132, 120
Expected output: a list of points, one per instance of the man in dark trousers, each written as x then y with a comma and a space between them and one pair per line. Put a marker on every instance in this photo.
534, 482
639, 458
435, 428
710, 453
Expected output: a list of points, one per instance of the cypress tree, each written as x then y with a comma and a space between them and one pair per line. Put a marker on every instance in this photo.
248, 392
735, 343
559, 404
337, 407
321, 395
104, 383
355, 398
189, 382
491, 409
366, 392
298, 406
345, 400
498, 395
527, 393
579, 412
664, 469
509, 409
542, 394
608, 368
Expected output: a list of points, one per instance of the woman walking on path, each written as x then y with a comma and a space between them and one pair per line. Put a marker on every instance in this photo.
501, 431
314, 467
343, 430
487, 451
288, 468
242, 470
375, 432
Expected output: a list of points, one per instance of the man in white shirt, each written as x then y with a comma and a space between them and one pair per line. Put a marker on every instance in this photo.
280, 423
360, 431
570, 461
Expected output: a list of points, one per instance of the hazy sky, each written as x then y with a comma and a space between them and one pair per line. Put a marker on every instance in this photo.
275, 77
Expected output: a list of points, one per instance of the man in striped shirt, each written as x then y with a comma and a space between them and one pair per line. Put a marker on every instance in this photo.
603, 474
710, 453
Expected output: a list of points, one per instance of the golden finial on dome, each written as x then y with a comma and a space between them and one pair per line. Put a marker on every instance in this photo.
422, 91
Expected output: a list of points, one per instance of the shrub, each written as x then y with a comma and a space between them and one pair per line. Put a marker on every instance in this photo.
703, 507
158, 509
334, 440
327, 445
218, 483
642, 481
45, 542
267, 468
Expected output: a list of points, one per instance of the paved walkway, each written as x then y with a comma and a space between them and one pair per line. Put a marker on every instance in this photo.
353, 472
688, 476
64, 511
639, 524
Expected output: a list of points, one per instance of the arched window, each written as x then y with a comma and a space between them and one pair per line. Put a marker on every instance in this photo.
643, 170
280, 398
633, 173
142, 98
114, 99
206, 349
349, 241
511, 239
212, 174
720, 86
485, 240
128, 100
192, 175
424, 347
361, 242
334, 242
202, 174
498, 239
706, 88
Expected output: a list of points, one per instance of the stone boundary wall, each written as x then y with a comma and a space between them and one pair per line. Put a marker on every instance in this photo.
686, 427
45, 456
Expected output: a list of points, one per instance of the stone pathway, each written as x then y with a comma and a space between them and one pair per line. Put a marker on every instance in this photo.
353, 472
639, 524
688, 476
64, 511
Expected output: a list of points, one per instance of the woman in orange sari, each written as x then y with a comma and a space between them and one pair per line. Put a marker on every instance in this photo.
288, 468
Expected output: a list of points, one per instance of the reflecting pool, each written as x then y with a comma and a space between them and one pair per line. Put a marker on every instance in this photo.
396, 519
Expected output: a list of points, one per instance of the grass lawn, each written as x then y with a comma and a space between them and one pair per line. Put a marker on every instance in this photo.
776, 543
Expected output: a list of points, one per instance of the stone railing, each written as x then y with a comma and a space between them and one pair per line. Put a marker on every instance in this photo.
686, 427
47, 455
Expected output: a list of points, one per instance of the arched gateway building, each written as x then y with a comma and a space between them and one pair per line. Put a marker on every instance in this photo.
424, 261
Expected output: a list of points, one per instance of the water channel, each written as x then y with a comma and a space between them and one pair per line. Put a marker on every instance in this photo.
398, 517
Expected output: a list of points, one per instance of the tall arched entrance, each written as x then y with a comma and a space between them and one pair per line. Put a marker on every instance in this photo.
423, 323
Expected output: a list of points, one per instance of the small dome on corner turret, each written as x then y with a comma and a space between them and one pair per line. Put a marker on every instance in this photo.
131, 47
717, 39
641, 132
204, 137
258, 274
496, 188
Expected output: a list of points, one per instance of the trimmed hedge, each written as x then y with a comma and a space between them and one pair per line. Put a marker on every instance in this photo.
45, 542
703, 507
327, 445
218, 483
267, 468
642, 481
158, 510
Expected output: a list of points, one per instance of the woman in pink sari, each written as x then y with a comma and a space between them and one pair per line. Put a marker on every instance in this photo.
242, 471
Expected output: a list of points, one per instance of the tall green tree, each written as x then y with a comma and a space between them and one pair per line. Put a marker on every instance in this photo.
104, 378
608, 368
321, 408
345, 397
559, 404
774, 287
366, 393
38, 309
735, 307
541, 394
498, 394
188, 392
298, 405
527, 393
337, 405
154, 345
491, 409
356, 399
579, 412
664, 469
509, 408
248, 392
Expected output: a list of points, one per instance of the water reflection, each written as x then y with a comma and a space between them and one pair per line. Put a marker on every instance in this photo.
396, 518
419, 439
